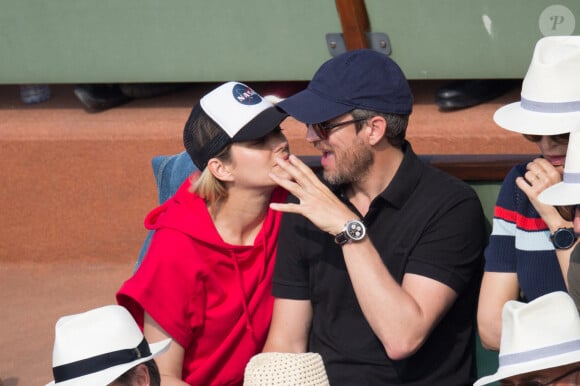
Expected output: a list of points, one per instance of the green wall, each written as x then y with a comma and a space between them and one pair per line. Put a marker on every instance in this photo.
78, 41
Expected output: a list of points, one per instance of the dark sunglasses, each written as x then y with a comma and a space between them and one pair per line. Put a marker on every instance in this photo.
568, 212
558, 138
323, 129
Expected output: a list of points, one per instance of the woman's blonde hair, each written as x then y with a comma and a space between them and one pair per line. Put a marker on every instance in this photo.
207, 186
201, 130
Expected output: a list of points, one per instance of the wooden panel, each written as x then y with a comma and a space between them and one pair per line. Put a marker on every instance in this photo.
354, 22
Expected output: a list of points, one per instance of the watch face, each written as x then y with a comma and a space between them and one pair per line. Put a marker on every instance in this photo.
564, 238
356, 230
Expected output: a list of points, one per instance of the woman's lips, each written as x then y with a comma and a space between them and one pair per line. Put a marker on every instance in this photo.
556, 160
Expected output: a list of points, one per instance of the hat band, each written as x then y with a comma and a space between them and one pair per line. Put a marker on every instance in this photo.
571, 178
100, 362
550, 107
540, 353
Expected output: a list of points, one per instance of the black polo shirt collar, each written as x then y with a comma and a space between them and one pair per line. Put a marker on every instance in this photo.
404, 182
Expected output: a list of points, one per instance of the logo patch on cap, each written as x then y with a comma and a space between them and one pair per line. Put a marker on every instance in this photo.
245, 95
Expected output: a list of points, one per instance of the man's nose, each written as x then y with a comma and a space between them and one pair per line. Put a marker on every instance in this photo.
311, 135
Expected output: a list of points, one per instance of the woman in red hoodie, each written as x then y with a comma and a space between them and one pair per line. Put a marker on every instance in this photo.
205, 281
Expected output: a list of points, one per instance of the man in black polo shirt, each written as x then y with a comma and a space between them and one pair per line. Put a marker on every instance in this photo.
379, 270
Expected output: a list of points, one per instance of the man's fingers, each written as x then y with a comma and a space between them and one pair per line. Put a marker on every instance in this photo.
304, 169
286, 183
289, 168
288, 208
298, 170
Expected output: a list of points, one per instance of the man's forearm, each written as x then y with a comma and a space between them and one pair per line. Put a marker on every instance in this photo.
289, 328
401, 316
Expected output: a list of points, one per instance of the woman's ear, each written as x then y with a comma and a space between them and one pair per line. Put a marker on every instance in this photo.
219, 169
141, 375
378, 129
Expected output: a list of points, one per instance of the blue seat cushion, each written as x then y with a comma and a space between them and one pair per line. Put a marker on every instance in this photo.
169, 171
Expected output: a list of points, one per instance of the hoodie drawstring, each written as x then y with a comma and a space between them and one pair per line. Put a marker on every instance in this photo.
249, 326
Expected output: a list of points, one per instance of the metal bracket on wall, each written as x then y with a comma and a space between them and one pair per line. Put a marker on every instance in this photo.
378, 41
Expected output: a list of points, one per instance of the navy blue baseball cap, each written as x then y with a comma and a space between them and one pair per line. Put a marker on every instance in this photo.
359, 79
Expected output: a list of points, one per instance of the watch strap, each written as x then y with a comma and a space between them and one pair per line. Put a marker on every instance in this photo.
341, 238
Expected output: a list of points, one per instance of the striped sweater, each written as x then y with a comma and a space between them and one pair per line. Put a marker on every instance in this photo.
520, 242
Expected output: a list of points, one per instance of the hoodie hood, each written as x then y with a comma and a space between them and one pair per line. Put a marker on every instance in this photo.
187, 212
240, 266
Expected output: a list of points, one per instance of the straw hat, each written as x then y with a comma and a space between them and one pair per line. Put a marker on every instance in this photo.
96, 347
550, 97
566, 192
274, 368
541, 334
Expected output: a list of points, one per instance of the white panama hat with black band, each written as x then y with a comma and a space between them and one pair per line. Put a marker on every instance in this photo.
96, 347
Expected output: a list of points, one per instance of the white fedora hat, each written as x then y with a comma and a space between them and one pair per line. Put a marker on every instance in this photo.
96, 347
296, 369
541, 334
567, 192
550, 97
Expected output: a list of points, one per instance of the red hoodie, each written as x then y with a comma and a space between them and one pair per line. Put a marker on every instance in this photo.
213, 298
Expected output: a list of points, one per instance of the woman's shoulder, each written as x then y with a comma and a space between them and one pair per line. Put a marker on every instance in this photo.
509, 185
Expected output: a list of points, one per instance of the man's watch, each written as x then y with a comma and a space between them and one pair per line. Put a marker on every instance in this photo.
563, 238
354, 230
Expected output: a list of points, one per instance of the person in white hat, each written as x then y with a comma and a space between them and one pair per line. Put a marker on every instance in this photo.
101, 347
540, 343
206, 278
565, 196
523, 258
